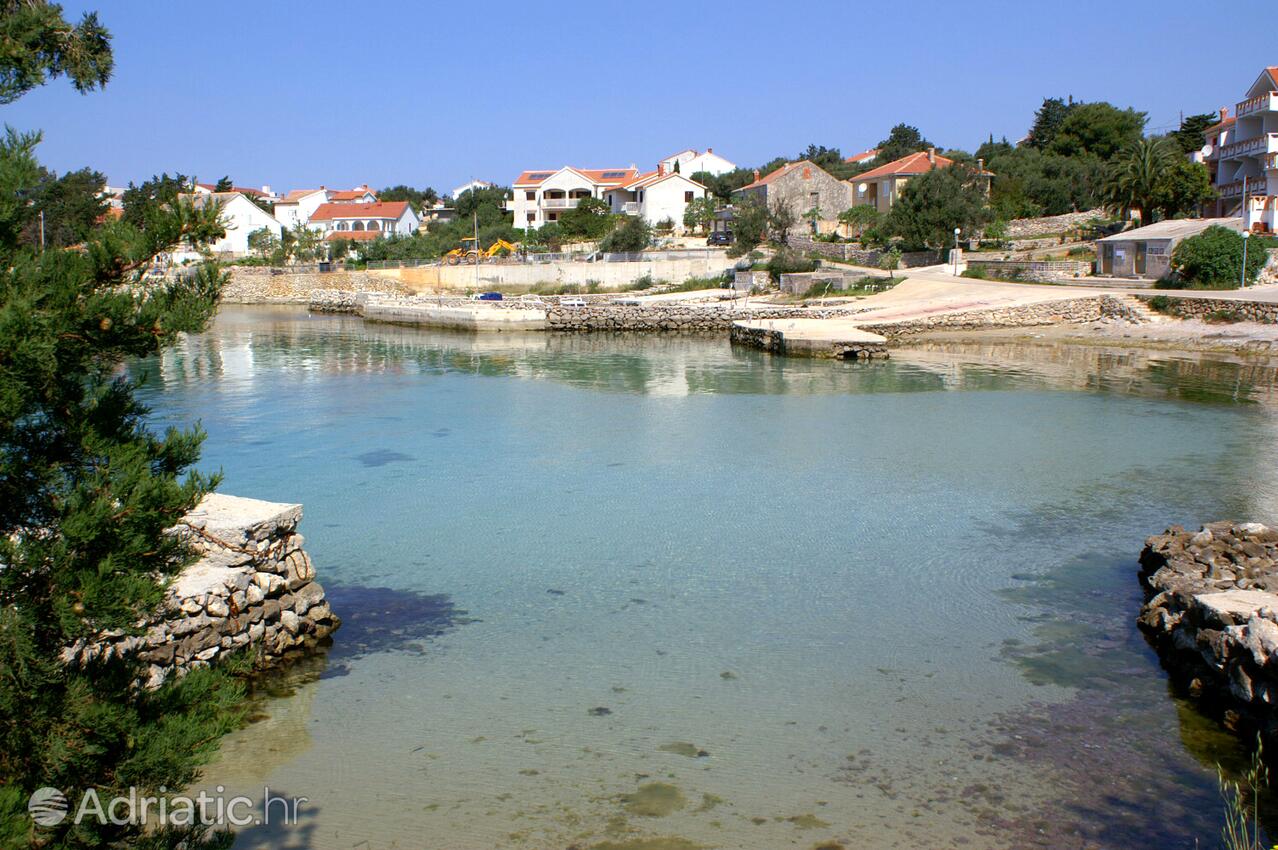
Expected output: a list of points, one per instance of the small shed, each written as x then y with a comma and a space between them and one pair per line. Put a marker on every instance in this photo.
1146, 251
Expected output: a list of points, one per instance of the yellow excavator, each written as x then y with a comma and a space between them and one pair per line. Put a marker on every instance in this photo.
470, 253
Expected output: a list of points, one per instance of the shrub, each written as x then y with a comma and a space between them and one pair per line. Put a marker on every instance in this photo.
1213, 259
975, 272
632, 236
787, 261
1222, 316
1162, 304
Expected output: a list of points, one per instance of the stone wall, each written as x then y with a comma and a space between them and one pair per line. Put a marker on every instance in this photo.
1211, 610
1087, 309
774, 341
1041, 271
751, 281
265, 285
254, 586
1029, 228
670, 317
1201, 308
852, 252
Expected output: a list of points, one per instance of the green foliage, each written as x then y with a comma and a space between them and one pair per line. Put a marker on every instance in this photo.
151, 195
72, 205
1047, 122
224, 185
417, 198
1214, 259
590, 219
37, 44
1162, 304
933, 204
1028, 182
1135, 179
665, 225
699, 214
1191, 135
1097, 129
489, 204
1241, 830
722, 186
781, 220
860, 219
86, 493
1184, 188
632, 236
830, 160
264, 243
749, 226
788, 261
890, 260
902, 140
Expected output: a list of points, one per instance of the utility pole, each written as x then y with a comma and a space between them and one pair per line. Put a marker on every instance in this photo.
475, 218
1242, 276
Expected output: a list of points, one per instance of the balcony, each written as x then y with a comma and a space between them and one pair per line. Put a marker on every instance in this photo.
1267, 102
1255, 186
1259, 146
631, 207
559, 203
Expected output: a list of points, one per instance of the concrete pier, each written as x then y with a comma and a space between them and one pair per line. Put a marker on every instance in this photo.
837, 339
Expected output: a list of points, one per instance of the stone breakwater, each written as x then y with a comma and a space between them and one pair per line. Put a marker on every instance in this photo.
846, 343
266, 285
254, 585
696, 318
1212, 612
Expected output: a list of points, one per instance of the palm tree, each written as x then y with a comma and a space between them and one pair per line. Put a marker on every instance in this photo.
1134, 177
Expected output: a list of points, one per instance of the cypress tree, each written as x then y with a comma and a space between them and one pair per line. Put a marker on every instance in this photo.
87, 489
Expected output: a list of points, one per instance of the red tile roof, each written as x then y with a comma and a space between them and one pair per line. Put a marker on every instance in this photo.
616, 176
252, 193
379, 209
297, 194
354, 235
352, 195
1272, 71
783, 170
915, 163
863, 156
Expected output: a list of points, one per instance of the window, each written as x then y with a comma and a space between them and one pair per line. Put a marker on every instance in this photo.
530, 196
554, 216
341, 225
374, 225
359, 225
687, 197
532, 216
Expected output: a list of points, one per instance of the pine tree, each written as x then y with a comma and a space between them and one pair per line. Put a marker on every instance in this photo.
87, 490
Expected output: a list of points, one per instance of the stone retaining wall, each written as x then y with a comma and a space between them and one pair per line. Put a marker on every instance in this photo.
1201, 308
1086, 309
669, 317
1042, 271
265, 285
773, 340
1029, 228
1211, 611
852, 252
255, 585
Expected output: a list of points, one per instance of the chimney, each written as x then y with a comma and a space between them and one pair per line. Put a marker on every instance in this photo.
756, 175
931, 155
266, 190
1224, 112
709, 150
661, 169
980, 165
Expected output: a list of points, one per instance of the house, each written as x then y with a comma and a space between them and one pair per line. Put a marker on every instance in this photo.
358, 195
1146, 251
880, 187
656, 196
260, 194
297, 206
804, 187
473, 185
540, 196
690, 162
1243, 156
240, 216
863, 158
363, 221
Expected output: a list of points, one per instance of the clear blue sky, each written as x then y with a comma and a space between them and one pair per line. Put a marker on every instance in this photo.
298, 94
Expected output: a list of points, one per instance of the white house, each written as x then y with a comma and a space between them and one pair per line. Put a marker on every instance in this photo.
298, 205
358, 195
656, 196
473, 185
240, 216
1243, 155
364, 221
540, 196
692, 161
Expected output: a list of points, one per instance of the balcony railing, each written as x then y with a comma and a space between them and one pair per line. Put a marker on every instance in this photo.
1259, 146
1255, 186
631, 207
559, 203
1267, 102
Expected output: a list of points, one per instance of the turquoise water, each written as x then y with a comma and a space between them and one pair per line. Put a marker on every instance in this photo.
891, 603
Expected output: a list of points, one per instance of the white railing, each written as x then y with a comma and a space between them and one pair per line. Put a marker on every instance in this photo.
559, 203
1267, 102
630, 207
1263, 144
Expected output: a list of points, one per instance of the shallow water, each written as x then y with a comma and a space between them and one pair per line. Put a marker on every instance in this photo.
600, 590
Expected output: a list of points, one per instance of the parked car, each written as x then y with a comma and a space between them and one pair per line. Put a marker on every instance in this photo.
719, 237
572, 302
486, 296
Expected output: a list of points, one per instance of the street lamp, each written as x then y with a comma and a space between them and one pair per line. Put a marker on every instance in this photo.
957, 231
1242, 276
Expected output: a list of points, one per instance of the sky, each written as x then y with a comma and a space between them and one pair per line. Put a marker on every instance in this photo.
301, 94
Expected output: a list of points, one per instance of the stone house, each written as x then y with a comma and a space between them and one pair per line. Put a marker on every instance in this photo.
1146, 252
804, 187
880, 187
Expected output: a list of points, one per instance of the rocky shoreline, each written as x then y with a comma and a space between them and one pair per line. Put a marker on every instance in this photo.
1212, 614
255, 585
